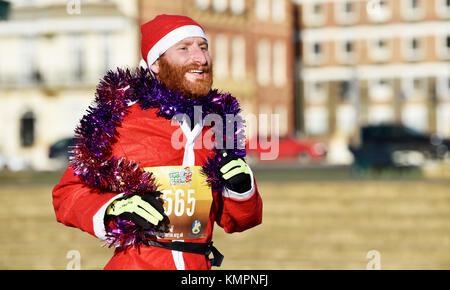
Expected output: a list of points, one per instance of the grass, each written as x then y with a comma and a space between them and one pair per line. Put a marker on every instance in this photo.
307, 224
333, 225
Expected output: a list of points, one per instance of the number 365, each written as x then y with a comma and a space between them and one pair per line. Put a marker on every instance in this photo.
178, 202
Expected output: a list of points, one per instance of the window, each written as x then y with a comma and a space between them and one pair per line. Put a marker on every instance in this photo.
238, 58
349, 47
414, 44
27, 129
443, 46
314, 14
29, 68
316, 92
251, 121
265, 120
378, 114
344, 89
278, 10
414, 88
443, 88
107, 51
415, 116
348, 7
316, 8
443, 120
220, 5
379, 10
263, 62
317, 48
346, 12
346, 52
379, 49
346, 119
77, 57
412, 9
279, 63
221, 57
202, 4
237, 6
443, 8
381, 43
316, 120
419, 86
413, 49
282, 112
315, 53
262, 9
381, 90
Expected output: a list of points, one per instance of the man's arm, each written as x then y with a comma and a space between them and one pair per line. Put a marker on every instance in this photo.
241, 202
78, 205
240, 211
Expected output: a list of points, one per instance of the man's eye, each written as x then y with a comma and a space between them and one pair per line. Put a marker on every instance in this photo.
182, 48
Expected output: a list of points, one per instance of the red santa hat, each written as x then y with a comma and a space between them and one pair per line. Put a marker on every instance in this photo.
163, 31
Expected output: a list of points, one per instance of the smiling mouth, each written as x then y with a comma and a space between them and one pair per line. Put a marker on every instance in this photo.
195, 74
199, 72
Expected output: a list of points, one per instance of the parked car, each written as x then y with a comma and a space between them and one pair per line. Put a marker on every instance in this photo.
289, 149
395, 145
60, 149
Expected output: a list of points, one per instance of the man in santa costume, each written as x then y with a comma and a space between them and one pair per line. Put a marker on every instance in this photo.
142, 176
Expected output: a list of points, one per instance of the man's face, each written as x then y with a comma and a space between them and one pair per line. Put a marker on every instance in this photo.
186, 67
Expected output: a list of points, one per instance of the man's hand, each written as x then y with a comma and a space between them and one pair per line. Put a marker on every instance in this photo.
235, 172
143, 211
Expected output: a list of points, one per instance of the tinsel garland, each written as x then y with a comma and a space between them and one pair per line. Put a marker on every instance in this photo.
92, 159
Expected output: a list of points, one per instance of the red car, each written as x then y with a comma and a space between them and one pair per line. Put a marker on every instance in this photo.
289, 149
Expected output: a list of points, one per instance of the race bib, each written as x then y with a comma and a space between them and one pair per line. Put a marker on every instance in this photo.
187, 200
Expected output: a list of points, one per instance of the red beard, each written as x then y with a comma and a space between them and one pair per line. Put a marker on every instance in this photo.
173, 76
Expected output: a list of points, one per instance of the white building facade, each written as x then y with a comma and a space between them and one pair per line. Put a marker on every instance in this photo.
52, 55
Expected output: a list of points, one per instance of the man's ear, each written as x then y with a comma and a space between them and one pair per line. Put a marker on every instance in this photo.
155, 67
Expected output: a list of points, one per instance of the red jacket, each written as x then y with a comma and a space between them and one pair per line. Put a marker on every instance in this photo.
146, 138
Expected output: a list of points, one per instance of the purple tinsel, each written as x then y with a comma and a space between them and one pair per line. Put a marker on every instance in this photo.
92, 160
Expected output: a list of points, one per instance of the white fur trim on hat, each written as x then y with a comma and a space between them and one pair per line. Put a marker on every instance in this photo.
143, 63
171, 38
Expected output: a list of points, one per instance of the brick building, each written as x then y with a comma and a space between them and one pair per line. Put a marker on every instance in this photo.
368, 62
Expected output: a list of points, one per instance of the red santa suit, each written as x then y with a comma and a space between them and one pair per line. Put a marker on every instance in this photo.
146, 138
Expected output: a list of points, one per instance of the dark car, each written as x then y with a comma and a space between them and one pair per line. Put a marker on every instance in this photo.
60, 149
395, 145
